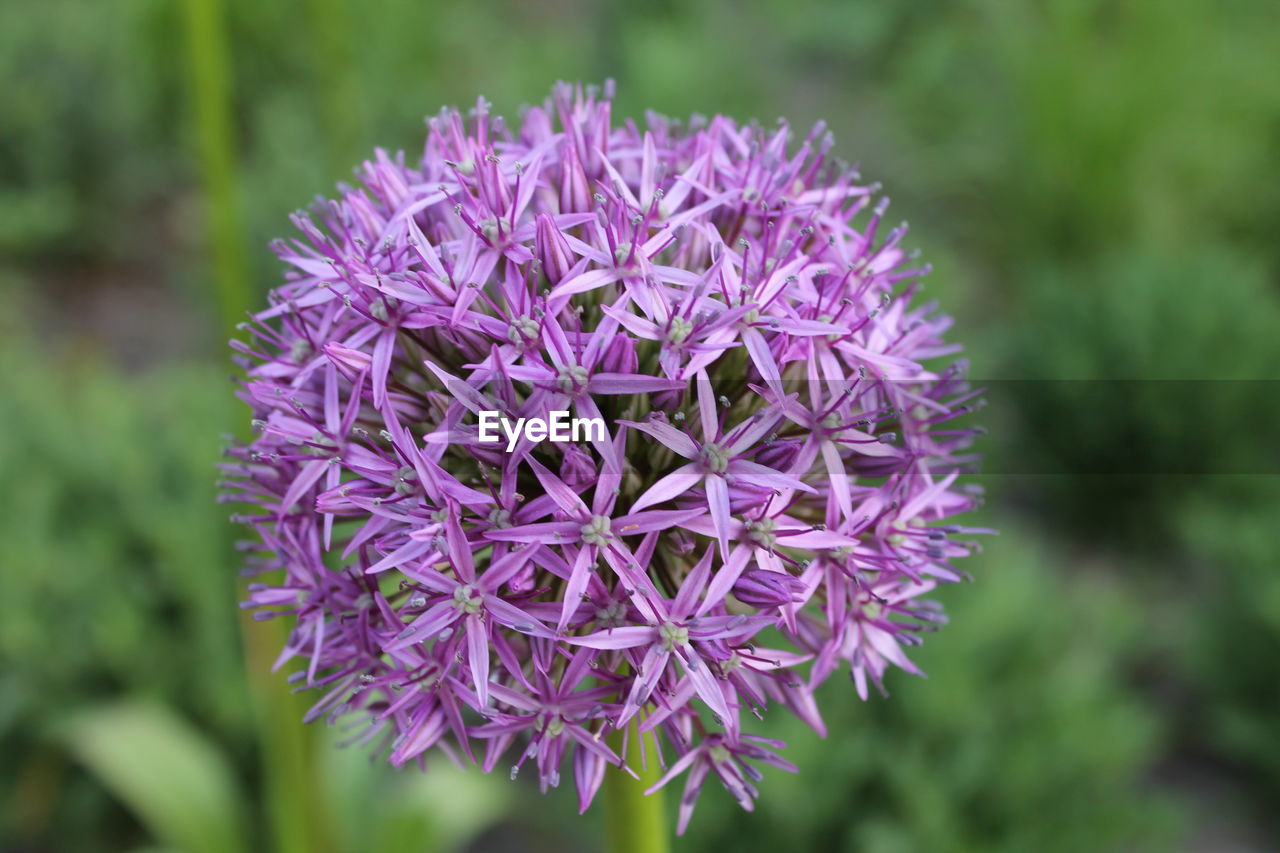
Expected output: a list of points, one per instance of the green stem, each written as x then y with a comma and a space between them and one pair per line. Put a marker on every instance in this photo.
297, 818
635, 823
328, 25
209, 81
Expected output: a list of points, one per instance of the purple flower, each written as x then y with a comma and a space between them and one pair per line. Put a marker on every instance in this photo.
768, 443
718, 459
726, 757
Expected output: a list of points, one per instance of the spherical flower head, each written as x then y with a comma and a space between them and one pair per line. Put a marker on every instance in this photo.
558, 423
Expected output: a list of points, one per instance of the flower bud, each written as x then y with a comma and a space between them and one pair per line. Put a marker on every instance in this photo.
552, 249
575, 191
767, 590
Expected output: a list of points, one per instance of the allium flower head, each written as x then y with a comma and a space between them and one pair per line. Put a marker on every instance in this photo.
777, 464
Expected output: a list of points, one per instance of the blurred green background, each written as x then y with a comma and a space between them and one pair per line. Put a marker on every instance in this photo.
1096, 185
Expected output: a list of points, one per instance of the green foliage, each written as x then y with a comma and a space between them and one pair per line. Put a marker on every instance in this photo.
83, 130
1102, 125
1023, 736
1153, 366
175, 779
378, 808
186, 793
114, 548
116, 556
1231, 653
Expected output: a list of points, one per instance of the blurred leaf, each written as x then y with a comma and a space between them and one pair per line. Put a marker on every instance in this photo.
174, 779
409, 810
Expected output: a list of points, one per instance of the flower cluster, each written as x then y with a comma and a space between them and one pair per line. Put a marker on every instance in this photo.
768, 502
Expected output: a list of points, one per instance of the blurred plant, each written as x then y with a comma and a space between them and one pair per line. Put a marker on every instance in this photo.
185, 793
1024, 737
175, 780
1231, 692
1156, 370
111, 553
1102, 125
97, 498
84, 135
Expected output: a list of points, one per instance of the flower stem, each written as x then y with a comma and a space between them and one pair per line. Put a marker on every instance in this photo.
634, 823
209, 80
297, 818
